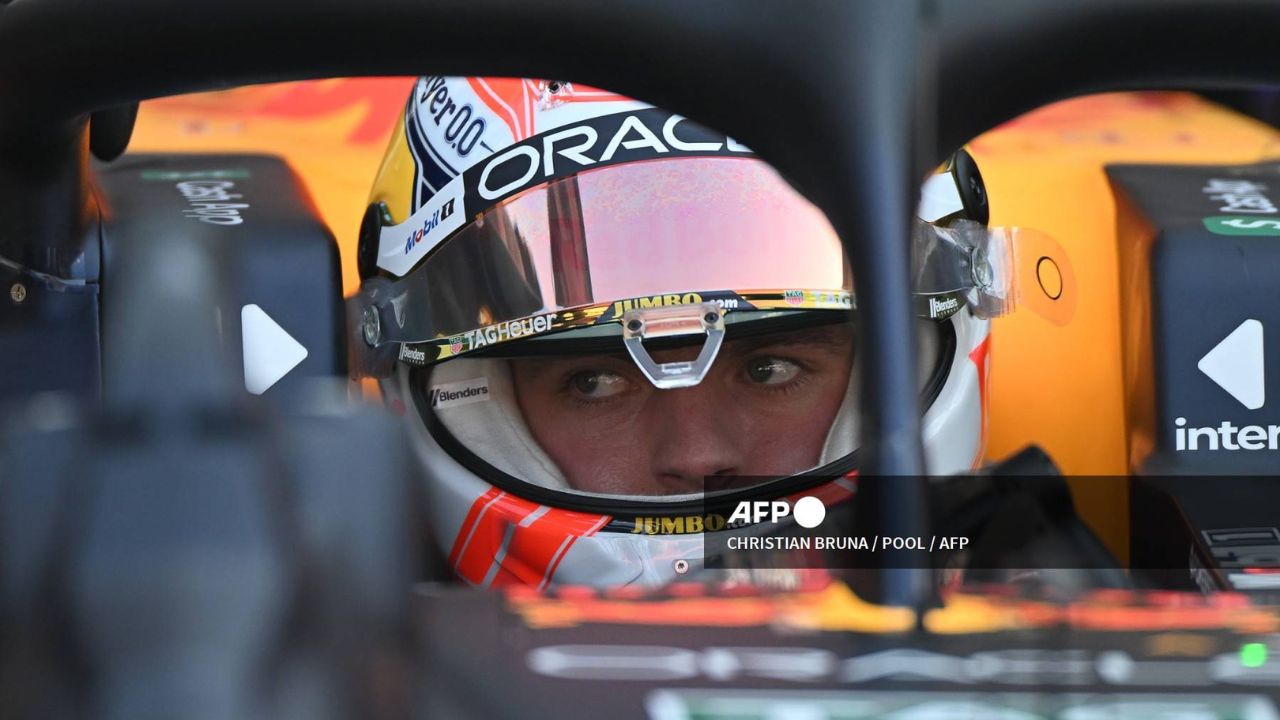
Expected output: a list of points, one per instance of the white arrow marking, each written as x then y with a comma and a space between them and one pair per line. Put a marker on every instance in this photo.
1236, 364
269, 352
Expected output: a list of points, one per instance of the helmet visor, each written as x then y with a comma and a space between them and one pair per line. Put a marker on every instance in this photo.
586, 249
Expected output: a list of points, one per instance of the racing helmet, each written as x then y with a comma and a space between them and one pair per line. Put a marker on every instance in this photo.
595, 315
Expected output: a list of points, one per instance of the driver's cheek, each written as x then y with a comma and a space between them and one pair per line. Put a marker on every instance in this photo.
784, 432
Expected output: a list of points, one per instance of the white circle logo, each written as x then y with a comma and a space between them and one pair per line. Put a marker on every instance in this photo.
809, 512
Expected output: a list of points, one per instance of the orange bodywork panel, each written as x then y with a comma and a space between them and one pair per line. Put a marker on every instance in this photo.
1073, 387
333, 133
1060, 375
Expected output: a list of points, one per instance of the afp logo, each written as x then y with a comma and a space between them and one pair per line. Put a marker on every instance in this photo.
809, 512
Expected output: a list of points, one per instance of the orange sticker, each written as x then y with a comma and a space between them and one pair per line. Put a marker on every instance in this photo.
1046, 282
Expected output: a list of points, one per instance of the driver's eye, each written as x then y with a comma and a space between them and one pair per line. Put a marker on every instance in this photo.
597, 384
772, 371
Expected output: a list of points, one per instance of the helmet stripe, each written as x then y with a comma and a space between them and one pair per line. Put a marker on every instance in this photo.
506, 540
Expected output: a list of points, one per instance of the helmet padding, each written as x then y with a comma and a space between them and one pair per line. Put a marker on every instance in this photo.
494, 428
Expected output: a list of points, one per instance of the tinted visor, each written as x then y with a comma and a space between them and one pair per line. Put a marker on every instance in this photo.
645, 234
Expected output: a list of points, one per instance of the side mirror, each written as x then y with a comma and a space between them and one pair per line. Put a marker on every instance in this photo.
955, 192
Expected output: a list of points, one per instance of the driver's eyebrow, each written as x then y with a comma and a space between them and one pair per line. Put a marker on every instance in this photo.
535, 366
828, 337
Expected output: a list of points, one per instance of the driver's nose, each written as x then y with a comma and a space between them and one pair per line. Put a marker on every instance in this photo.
693, 438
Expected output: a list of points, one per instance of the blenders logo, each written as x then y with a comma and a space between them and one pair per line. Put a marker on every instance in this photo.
621, 137
209, 201
793, 297
509, 330
413, 355
463, 392
428, 224
944, 307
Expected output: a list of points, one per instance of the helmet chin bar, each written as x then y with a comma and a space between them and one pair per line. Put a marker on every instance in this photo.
637, 325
